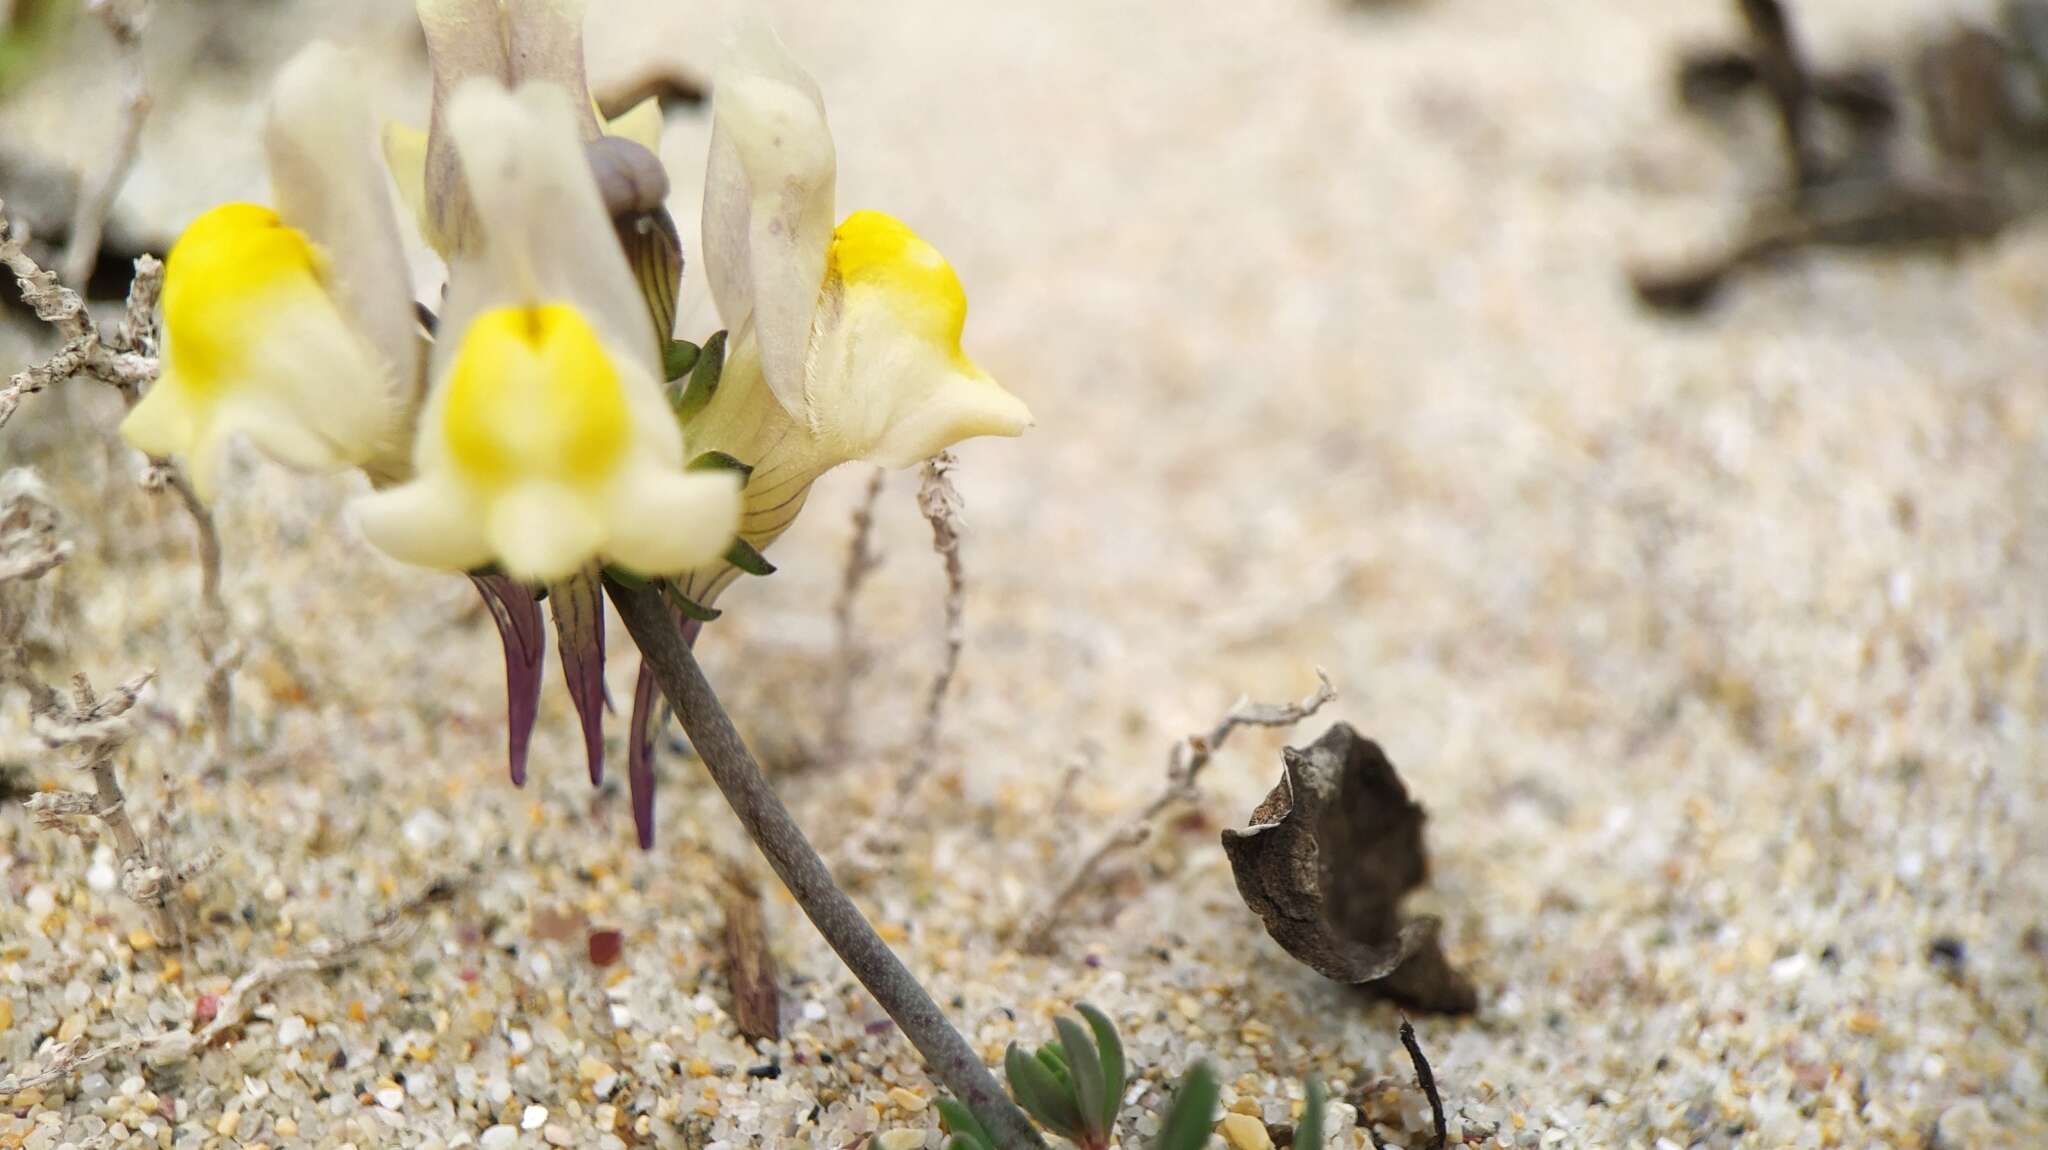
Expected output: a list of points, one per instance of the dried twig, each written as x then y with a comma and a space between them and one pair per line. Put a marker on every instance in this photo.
861, 560
125, 19
1184, 766
1426, 1078
120, 358
126, 359
234, 1006
940, 502
749, 966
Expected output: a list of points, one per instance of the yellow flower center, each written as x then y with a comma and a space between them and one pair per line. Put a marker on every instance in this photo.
879, 252
234, 263
533, 395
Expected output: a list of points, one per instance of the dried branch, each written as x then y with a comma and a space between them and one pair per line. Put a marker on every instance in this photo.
114, 358
125, 19
1184, 766
126, 359
97, 729
234, 1007
940, 502
1425, 1078
861, 560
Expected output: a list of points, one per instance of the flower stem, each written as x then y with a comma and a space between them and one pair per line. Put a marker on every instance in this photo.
951, 1060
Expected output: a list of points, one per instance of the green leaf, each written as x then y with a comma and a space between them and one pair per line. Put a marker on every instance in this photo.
678, 358
1308, 1133
1057, 1063
1087, 1073
744, 556
720, 461
1111, 1046
1040, 1093
690, 608
967, 1133
1193, 1113
704, 376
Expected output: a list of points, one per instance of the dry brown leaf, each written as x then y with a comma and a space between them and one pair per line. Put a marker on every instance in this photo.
1325, 863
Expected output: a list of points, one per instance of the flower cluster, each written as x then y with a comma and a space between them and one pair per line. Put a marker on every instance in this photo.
545, 430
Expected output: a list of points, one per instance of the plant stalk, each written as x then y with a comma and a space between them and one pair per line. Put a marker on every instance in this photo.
951, 1060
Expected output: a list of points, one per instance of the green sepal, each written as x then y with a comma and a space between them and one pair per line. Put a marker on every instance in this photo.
690, 608
746, 557
678, 358
1111, 1048
1193, 1113
705, 373
720, 461
1041, 1094
625, 577
1308, 1133
967, 1133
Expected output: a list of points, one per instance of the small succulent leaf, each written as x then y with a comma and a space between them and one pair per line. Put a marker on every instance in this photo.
746, 557
1308, 1133
646, 725
579, 626
720, 461
967, 1133
1192, 1114
520, 628
1041, 1094
1056, 1062
704, 377
678, 358
1110, 1046
1085, 1078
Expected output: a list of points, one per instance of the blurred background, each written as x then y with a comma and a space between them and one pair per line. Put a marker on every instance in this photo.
1662, 486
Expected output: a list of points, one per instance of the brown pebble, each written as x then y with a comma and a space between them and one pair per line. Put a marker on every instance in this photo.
605, 947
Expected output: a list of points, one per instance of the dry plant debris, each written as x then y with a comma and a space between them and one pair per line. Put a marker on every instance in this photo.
1325, 863
1853, 178
862, 559
749, 964
1426, 1079
1184, 766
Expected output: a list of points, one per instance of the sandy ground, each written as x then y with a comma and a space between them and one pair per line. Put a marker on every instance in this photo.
1714, 648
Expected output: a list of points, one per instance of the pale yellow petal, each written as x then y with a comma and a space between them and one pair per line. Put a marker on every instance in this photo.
664, 522
328, 184
768, 203
405, 153
428, 522
547, 235
166, 422
541, 531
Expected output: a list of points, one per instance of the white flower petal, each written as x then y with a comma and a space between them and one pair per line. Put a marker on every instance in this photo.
664, 521
546, 42
768, 211
325, 174
465, 40
429, 522
546, 235
543, 531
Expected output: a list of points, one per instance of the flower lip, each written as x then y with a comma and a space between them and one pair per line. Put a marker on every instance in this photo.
532, 393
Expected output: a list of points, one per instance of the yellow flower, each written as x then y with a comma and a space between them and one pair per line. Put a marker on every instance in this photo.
845, 341
514, 42
546, 444
292, 327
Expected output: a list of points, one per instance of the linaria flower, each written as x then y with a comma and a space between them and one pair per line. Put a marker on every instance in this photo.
293, 326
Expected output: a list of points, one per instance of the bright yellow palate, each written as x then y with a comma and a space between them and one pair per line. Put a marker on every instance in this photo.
876, 251
533, 395
233, 264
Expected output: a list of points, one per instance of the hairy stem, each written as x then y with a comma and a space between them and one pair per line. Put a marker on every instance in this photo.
951, 1060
